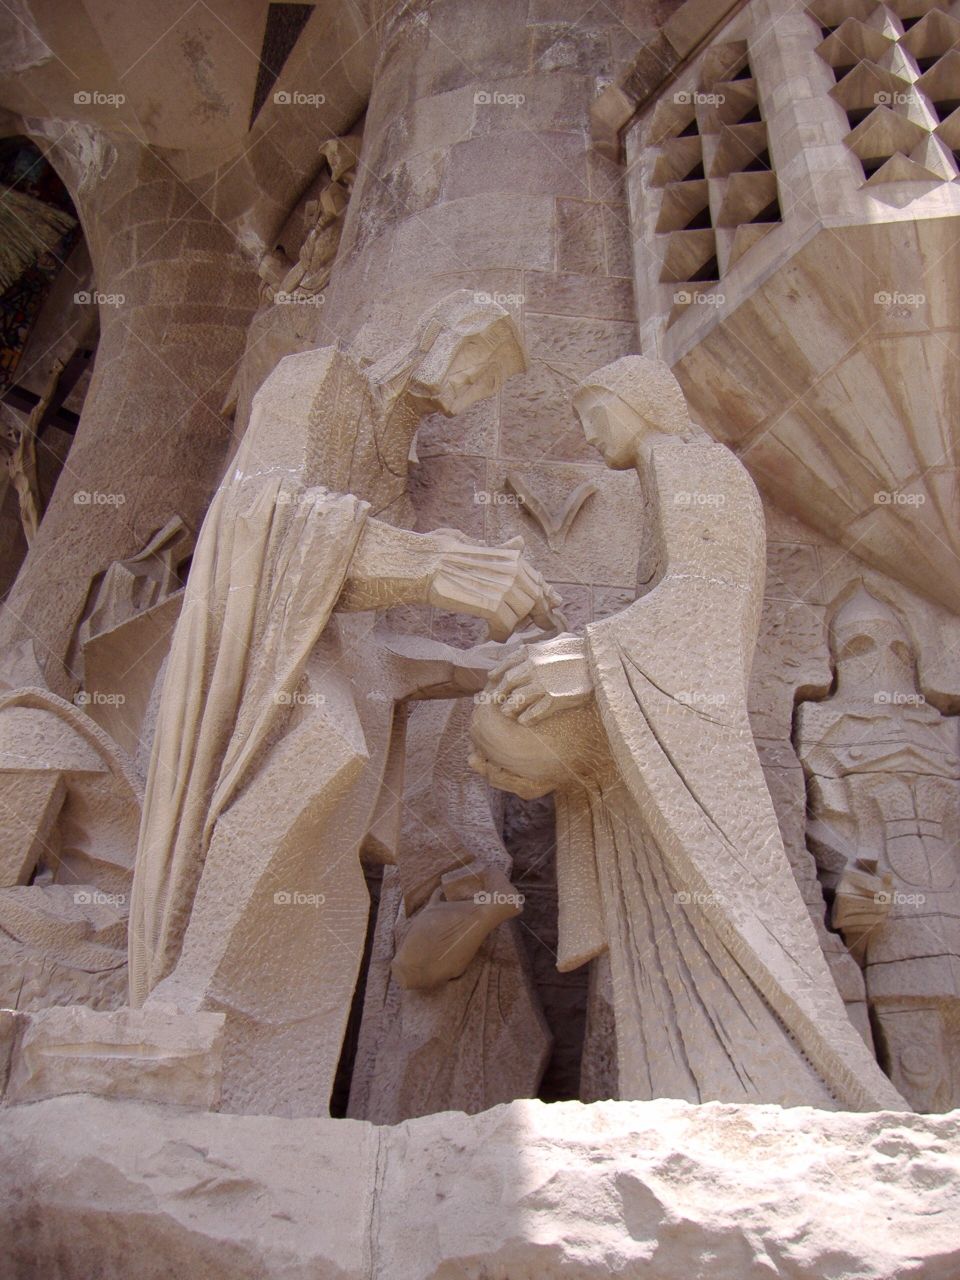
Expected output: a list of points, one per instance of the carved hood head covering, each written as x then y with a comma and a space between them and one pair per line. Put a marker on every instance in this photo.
648, 388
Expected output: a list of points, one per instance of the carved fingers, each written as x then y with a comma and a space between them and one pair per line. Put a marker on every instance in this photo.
494, 583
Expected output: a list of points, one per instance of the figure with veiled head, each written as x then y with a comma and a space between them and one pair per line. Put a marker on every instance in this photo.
669, 856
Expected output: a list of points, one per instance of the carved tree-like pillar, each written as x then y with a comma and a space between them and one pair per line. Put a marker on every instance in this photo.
175, 296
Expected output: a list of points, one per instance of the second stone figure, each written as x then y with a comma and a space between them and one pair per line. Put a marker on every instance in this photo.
669, 856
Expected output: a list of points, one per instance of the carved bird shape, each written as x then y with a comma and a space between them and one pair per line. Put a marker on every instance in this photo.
555, 527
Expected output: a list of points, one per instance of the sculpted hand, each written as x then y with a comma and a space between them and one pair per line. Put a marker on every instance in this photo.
494, 583
538, 680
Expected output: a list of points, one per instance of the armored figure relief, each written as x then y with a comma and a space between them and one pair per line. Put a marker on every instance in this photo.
883, 776
291, 289
275, 740
669, 854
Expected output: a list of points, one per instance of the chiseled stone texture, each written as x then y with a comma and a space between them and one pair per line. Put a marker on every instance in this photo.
526, 1191
152, 1054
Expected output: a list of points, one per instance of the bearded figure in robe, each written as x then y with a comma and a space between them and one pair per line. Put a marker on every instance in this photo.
669, 856
275, 757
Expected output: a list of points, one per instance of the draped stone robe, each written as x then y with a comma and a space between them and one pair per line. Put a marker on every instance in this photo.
271, 559
670, 856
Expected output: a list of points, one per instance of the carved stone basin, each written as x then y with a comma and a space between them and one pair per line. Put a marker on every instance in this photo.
533, 760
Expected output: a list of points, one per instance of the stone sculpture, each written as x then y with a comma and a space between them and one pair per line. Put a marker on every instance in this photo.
275, 734
69, 811
323, 219
71, 790
291, 290
669, 855
123, 641
138, 583
430, 1039
18, 439
883, 774
555, 523
448, 932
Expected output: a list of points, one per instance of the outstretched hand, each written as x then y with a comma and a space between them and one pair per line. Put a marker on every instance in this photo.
497, 584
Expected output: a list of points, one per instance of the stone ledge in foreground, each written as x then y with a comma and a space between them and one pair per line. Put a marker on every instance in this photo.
528, 1191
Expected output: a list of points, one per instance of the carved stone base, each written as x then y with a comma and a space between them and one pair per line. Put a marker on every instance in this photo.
527, 1191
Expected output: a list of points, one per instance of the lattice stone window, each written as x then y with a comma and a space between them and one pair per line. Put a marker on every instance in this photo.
897, 72
719, 191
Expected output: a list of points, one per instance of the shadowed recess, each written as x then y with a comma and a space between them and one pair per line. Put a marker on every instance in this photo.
284, 25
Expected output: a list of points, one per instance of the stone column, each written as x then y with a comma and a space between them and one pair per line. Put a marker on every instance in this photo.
175, 297
477, 172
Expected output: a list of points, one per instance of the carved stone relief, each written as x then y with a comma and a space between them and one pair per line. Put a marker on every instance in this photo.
883, 775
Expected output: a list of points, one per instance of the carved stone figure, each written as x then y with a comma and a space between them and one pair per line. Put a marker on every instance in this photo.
71, 790
446, 935
125, 636
323, 219
275, 734
18, 442
883, 772
669, 855
291, 290
433, 1039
